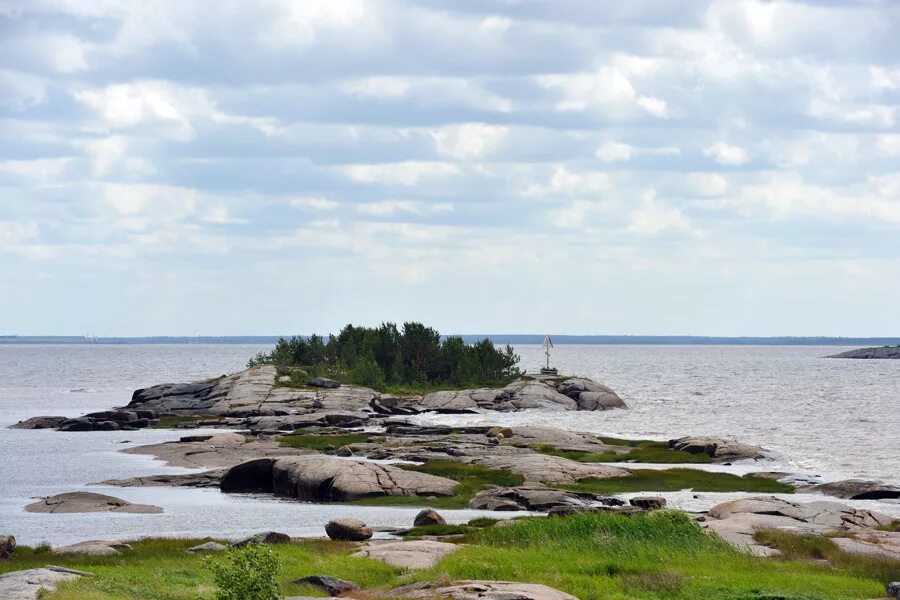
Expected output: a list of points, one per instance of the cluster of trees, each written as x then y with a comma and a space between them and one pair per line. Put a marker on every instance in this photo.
413, 355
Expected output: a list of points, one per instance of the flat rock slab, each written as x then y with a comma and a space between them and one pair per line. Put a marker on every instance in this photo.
221, 450
27, 585
88, 502
481, 590
93, 548
736, 521
417, 554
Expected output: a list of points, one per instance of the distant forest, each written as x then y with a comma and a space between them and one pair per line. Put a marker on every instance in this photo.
523, 339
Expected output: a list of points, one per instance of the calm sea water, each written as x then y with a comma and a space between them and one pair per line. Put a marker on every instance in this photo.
839, 418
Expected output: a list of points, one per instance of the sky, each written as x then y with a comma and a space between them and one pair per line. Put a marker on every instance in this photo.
223, 167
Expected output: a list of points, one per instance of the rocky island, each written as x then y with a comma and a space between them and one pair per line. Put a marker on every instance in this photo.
883, 352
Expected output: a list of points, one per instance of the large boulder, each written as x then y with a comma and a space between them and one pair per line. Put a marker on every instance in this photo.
590, 395
648, 502
328, 584
719, 449
207, 548
427, 517
317, 478
324, 382
7, 545
535, 498
856, 489
348, 530
479, 590
88, 502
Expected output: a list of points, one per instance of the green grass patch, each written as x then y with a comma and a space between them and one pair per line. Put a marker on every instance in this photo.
815, 547
672, 480
662, 555
893, 526
654, 556
644, 451
320, 442
472, 479
447, 529
173, 421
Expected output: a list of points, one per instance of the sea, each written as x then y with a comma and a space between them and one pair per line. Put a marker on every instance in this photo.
824, 418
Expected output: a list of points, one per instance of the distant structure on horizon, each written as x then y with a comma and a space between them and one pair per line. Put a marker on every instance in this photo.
547, 370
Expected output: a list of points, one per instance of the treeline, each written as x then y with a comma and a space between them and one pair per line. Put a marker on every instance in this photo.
413, 355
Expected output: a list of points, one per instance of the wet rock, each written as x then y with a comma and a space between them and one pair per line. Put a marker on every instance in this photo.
77, 424
480, 590
51, 422
720, 449
871, 353
266, 537
534, 498
94, 548
648, 502
416, 554
324, 382
88, 502
205, 479
208, 547
428, 516
7, 545
856, 489
328, 584
31, 584
349, 530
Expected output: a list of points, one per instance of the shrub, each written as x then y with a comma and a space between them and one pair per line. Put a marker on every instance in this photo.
250, 573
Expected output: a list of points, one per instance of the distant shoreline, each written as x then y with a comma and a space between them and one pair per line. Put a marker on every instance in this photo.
645, 340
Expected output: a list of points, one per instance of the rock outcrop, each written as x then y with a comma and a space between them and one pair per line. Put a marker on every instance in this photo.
88, 502
94, 548
31, 584
536, 498
328, 584
416, 554
736, 521
329, 479
856, 489
480, 590
266, 537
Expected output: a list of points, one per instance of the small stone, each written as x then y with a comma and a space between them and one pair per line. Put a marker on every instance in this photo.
207, 547
330, 585
648, 502
349, 530
266, 537
7, 545
428, 516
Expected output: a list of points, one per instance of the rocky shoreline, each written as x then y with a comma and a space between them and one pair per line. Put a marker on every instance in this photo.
330, 443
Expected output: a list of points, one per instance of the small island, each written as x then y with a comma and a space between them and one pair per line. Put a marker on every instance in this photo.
882, 352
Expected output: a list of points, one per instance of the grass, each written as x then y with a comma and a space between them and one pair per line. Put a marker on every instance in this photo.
644, 451
813, 547
672, 480
892, 526
447, 529
320, 442
472, 479
654, 556
173, 421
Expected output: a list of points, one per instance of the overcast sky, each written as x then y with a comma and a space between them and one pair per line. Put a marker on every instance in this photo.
646, 167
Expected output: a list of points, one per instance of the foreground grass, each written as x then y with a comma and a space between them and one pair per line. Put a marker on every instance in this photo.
672, 480
660, 555
472, 479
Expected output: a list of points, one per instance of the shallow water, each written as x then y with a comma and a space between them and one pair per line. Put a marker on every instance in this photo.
837, 418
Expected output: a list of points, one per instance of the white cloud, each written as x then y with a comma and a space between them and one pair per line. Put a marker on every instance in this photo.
469, 141
385, 208
408, 173
607, 89
614, 152
654, 217
564, 181
314, 203
707, 184
727, 154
